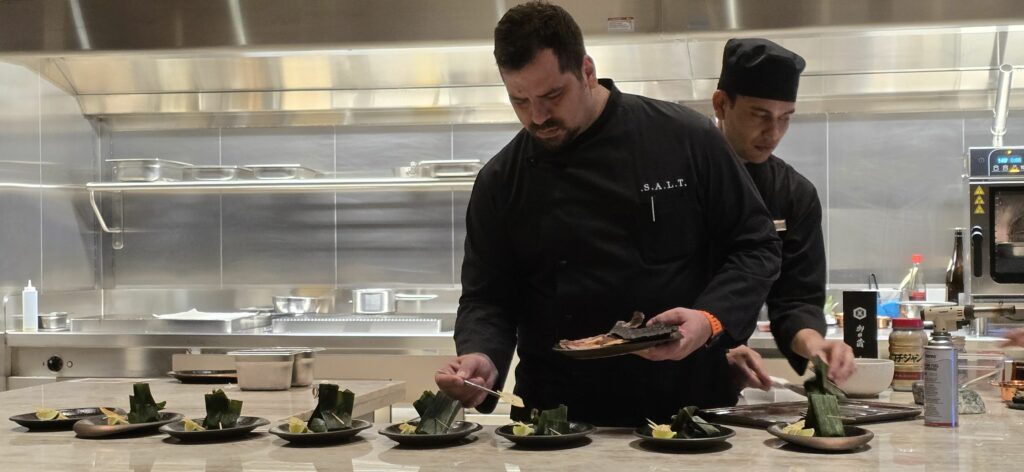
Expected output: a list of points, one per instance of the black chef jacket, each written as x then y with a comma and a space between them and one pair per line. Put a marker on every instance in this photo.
796, 299
647, 209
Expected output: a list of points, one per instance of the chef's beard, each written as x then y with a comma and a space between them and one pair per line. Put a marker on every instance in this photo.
557, 142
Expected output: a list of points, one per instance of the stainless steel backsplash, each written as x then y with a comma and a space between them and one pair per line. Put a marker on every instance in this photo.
891, 184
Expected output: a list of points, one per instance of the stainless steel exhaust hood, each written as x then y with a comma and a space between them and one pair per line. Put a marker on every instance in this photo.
197, 63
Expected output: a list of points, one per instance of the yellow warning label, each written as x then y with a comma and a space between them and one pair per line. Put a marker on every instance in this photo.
1014, 169
979, 191
979, 200
979, 210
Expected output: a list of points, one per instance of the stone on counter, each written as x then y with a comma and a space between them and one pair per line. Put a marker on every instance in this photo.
969, 402
918, 389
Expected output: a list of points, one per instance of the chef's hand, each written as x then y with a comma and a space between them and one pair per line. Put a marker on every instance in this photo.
475, 367
748, 367
837, 354
695, 328
1014, 338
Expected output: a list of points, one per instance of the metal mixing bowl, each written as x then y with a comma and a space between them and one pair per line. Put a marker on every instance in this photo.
297, 305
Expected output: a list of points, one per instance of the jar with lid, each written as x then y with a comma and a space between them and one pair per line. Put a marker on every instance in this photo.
906, 350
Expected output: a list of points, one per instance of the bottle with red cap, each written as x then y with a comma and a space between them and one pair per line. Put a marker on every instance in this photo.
912, 287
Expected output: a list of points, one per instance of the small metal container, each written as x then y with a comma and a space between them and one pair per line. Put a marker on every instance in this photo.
56, 321
297, 305
283, 172
440, 169
147, 170
264, 369
380, 301
305, 360
218, 173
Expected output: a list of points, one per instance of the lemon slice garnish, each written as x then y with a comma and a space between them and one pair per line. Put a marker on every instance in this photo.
296, 426
191, 426
662, 431
522, 429
47, 414
406, 428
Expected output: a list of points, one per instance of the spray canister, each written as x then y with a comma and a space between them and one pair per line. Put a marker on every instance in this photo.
940, 381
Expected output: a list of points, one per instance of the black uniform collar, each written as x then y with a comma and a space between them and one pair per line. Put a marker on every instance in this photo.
595, 128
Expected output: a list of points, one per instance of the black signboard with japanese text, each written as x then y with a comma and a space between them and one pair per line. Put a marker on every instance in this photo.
860, 322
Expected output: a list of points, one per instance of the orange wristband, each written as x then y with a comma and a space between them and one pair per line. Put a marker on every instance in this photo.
716, 326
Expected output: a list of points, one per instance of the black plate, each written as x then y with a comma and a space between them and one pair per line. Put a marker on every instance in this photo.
578, 431
30, 421
97, 427
205, 376
766, 414
644, 433
615, 349
1015, 406
245, 426
855, 439
281, 431
460, 429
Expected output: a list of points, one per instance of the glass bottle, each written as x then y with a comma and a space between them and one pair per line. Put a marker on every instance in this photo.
955, 269
912, 287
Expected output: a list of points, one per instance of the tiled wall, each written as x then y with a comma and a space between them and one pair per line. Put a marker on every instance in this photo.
47, 234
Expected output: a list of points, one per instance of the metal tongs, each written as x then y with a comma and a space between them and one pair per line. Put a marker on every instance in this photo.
507, 397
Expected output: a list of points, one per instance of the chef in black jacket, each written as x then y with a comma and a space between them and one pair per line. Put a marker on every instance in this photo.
604, 204
754, 102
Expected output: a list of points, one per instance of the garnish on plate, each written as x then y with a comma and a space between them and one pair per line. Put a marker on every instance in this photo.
823, 416
1018, 397
437, 414
113, 418
553, 422
333, 410
221, 412
49, 414
143, 408
685, 424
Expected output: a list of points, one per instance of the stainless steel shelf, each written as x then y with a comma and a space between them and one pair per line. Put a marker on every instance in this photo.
415, 184
288, 186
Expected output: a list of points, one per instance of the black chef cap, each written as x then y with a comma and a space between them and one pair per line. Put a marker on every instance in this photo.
759, 68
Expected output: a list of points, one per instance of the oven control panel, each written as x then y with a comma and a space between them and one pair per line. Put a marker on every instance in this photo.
996, 162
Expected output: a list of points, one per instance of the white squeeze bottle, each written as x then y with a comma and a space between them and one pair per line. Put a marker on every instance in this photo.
29, 308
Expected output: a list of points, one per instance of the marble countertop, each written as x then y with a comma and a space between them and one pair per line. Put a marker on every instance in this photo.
990, 441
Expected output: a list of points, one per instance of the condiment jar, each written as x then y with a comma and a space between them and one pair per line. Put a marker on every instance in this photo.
906, 350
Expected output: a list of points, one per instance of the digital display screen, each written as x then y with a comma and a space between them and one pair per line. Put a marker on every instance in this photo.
1015, 159
1002, 160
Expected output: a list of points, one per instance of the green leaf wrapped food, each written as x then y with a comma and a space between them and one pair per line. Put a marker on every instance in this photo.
333, 410
221, 412
688, 425
550, 422
823, 403
437, 413
143, 409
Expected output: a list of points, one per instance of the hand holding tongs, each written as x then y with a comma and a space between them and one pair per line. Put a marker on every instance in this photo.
508, 397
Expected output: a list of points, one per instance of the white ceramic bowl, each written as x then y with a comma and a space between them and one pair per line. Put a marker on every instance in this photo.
872, 377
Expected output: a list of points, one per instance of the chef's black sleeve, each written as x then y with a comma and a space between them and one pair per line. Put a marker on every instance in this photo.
796, 300
484, 323
741, 227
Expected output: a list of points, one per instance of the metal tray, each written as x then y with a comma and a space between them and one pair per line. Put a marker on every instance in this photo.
767, 414
218, 173
153, 325
147, 170
283, 172
356, 324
